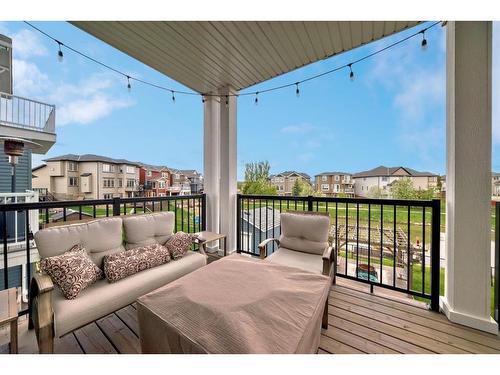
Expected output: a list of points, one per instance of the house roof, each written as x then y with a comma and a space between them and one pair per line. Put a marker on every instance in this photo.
289, 173
257, 218
157, 168
38, 167
92, 157
382, 171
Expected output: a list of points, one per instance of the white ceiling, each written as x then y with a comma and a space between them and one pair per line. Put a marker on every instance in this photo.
205, 56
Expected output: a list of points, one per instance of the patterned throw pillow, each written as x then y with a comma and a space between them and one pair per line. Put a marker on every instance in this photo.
120, 265
179, 244
72, 271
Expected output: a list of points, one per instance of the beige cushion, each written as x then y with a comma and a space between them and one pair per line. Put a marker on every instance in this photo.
99, 238
103, 298
297, 259
304, 232
142, 230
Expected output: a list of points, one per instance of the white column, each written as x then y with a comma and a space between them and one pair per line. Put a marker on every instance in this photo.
211, 161
468, 175
228, 164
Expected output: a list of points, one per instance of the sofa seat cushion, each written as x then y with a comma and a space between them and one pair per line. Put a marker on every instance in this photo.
103, 298
304, 261
71, 271
149, 229
179, 244
120, 265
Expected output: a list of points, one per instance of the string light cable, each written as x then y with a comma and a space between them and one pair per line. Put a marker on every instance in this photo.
129, 78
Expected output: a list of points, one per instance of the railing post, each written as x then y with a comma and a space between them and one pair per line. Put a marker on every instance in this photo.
238, 223
435, 253
497, 260
204, 212
116, 206
309, 203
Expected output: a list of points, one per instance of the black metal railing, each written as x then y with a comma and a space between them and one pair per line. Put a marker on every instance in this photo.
189, 210
496, 289
387, 243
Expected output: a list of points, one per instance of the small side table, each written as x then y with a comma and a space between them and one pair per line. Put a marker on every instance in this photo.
207, 237
8, 315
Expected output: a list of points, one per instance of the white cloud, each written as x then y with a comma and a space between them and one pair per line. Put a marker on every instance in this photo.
27, 43
28, 79
89, 109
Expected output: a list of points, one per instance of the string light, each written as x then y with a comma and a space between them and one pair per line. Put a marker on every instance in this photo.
424, 41
129, 86
275, 88
60, 55
227, 101
203, 98
351, 74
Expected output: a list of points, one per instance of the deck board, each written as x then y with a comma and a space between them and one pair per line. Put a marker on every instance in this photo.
359, 322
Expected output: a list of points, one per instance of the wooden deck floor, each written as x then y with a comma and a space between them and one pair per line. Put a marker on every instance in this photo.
359, 322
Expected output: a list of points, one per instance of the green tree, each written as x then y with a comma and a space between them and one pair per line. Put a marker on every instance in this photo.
375, 192
257, 179
296, 189
403, 189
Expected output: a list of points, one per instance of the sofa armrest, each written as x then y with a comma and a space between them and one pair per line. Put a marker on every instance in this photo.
263, 245
41, 312
328, 261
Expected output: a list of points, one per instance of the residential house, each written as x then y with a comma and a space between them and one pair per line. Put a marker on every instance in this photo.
334, 184
87, 176
284, 181
155, 181
181, 184
381, 177
29, 125
495, 184
195, 178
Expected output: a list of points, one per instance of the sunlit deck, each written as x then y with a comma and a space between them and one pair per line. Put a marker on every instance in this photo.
359, 322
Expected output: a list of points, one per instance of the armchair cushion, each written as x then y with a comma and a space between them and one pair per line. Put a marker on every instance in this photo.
178, 245
120, 265
307, 233
72, 271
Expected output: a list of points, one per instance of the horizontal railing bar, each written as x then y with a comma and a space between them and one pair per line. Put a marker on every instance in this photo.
376, 201
90, 202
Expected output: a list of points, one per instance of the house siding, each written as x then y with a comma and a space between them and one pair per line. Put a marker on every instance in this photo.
23, 173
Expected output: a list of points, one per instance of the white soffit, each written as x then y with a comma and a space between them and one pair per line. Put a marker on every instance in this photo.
208, 55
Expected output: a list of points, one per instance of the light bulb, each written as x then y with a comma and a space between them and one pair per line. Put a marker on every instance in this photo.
297, 91
256, 101
129, 86
60, 55
351, 74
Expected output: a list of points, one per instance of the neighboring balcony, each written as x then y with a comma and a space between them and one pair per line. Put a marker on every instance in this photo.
28, 119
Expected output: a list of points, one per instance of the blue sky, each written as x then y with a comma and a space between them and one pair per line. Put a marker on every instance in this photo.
392, 114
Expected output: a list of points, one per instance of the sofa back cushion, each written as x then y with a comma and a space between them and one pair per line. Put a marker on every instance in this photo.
304, 232
100, 237
149, 229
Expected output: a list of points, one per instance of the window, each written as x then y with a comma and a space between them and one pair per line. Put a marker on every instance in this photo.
108, 196
108, 182
337, 177
384, 179
130, 183
108, 168
120, 182
161, 184
149, 173
73, 181
336, 187
164, 174
72, 166
324, 178
130, 169
325, 187
177, 176
281, 187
